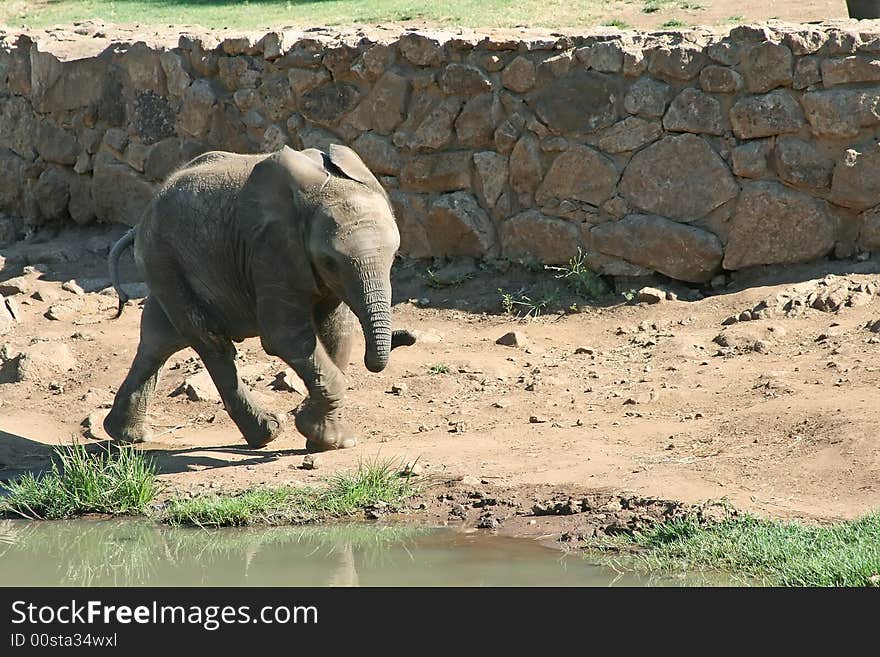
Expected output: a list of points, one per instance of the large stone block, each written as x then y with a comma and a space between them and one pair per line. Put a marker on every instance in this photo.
12, 168
430, 124
775, 113
120, 194
55, 144
578, 103
647, 97
856, 179
409, 211
694, 111
846, 70
58, 86
519, 75
475, 125
869, 235
491, 176
801, 163
679, 177
841, 113
464, 80
765, 66
378, 153
750, 159
422, 50
683, 62
144, 69
630, 134
774, 224
437, 172
386, 102
720, 79
176, 76
526, 170
580, 173
326, 104
458, 226
52, 194
533, 234
18, 126
195, 112
679, 251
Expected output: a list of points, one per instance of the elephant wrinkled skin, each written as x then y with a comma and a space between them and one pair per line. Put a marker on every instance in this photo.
295, 247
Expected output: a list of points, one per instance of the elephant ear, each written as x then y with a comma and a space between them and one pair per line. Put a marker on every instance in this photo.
352, 166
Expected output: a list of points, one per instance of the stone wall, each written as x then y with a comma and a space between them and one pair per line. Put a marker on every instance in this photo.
680, 153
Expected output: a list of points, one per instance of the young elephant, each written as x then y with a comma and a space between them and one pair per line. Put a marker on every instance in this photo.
284, 246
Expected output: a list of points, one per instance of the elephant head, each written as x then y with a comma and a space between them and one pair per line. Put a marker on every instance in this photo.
341, 218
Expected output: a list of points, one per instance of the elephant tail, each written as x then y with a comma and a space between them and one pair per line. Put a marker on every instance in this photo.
113, 262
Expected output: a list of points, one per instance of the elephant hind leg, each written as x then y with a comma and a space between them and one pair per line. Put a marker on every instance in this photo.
159, 340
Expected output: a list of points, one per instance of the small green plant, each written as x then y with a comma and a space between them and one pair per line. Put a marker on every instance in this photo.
629, 295
616, 22
652, 6
673, 22
343, 494
735, 19
121, 481
438, 368
523, 306
580, 279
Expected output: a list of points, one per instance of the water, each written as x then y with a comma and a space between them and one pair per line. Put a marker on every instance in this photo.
141, 553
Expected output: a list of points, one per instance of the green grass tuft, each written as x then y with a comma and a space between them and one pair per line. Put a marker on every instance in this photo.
119, 482
772, 552
438, 368
580, 279
343, 494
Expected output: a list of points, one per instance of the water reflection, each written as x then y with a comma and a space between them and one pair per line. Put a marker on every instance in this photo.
137, 552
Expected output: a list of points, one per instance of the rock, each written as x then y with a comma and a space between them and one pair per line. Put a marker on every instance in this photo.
73, 287
93, 425
856, 179
869, 237
519, 75
64, 311
46, 295
606, 57
650, 295
16, 285
580, 173
39, 362
578, 103
378, 153
661, 178
531, 233
437, 172
806, 72
386, 103
421, 50
120, 194
426, 337
199, 387
177, 79
683, 62
195, 111
750, 159
463, 79
774, 224
841, 113
475, 125
491, 175
56, 144
399, 388
682, 252
647, 97
775, 113
801, 163
409, 210
430, 123
846, 70
304, 79
288, 381
52, 194
326, 104
525, 167
538, 419
720, 79
630, 134
487, 521
457, 226
766, 66
513, 339
12, 308
311, 462
694, 111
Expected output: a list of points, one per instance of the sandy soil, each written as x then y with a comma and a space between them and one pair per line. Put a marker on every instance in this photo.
780, 418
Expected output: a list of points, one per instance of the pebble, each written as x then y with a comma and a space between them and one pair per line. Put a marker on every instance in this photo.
311, 462
513, 339
398, 388
537, 419
412, 469
289, 381
73, 287
94, 426
650, 295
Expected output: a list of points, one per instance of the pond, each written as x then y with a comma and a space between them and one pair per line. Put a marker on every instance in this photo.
141, 553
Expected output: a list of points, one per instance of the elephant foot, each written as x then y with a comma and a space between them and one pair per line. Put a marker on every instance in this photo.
263, 430
126, 432
324, 430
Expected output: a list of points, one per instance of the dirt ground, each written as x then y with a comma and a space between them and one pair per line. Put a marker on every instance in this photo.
779, 415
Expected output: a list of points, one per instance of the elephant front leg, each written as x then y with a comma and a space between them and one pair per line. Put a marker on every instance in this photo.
319, 417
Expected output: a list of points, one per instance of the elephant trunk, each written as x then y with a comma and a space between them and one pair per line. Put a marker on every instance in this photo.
372, 305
